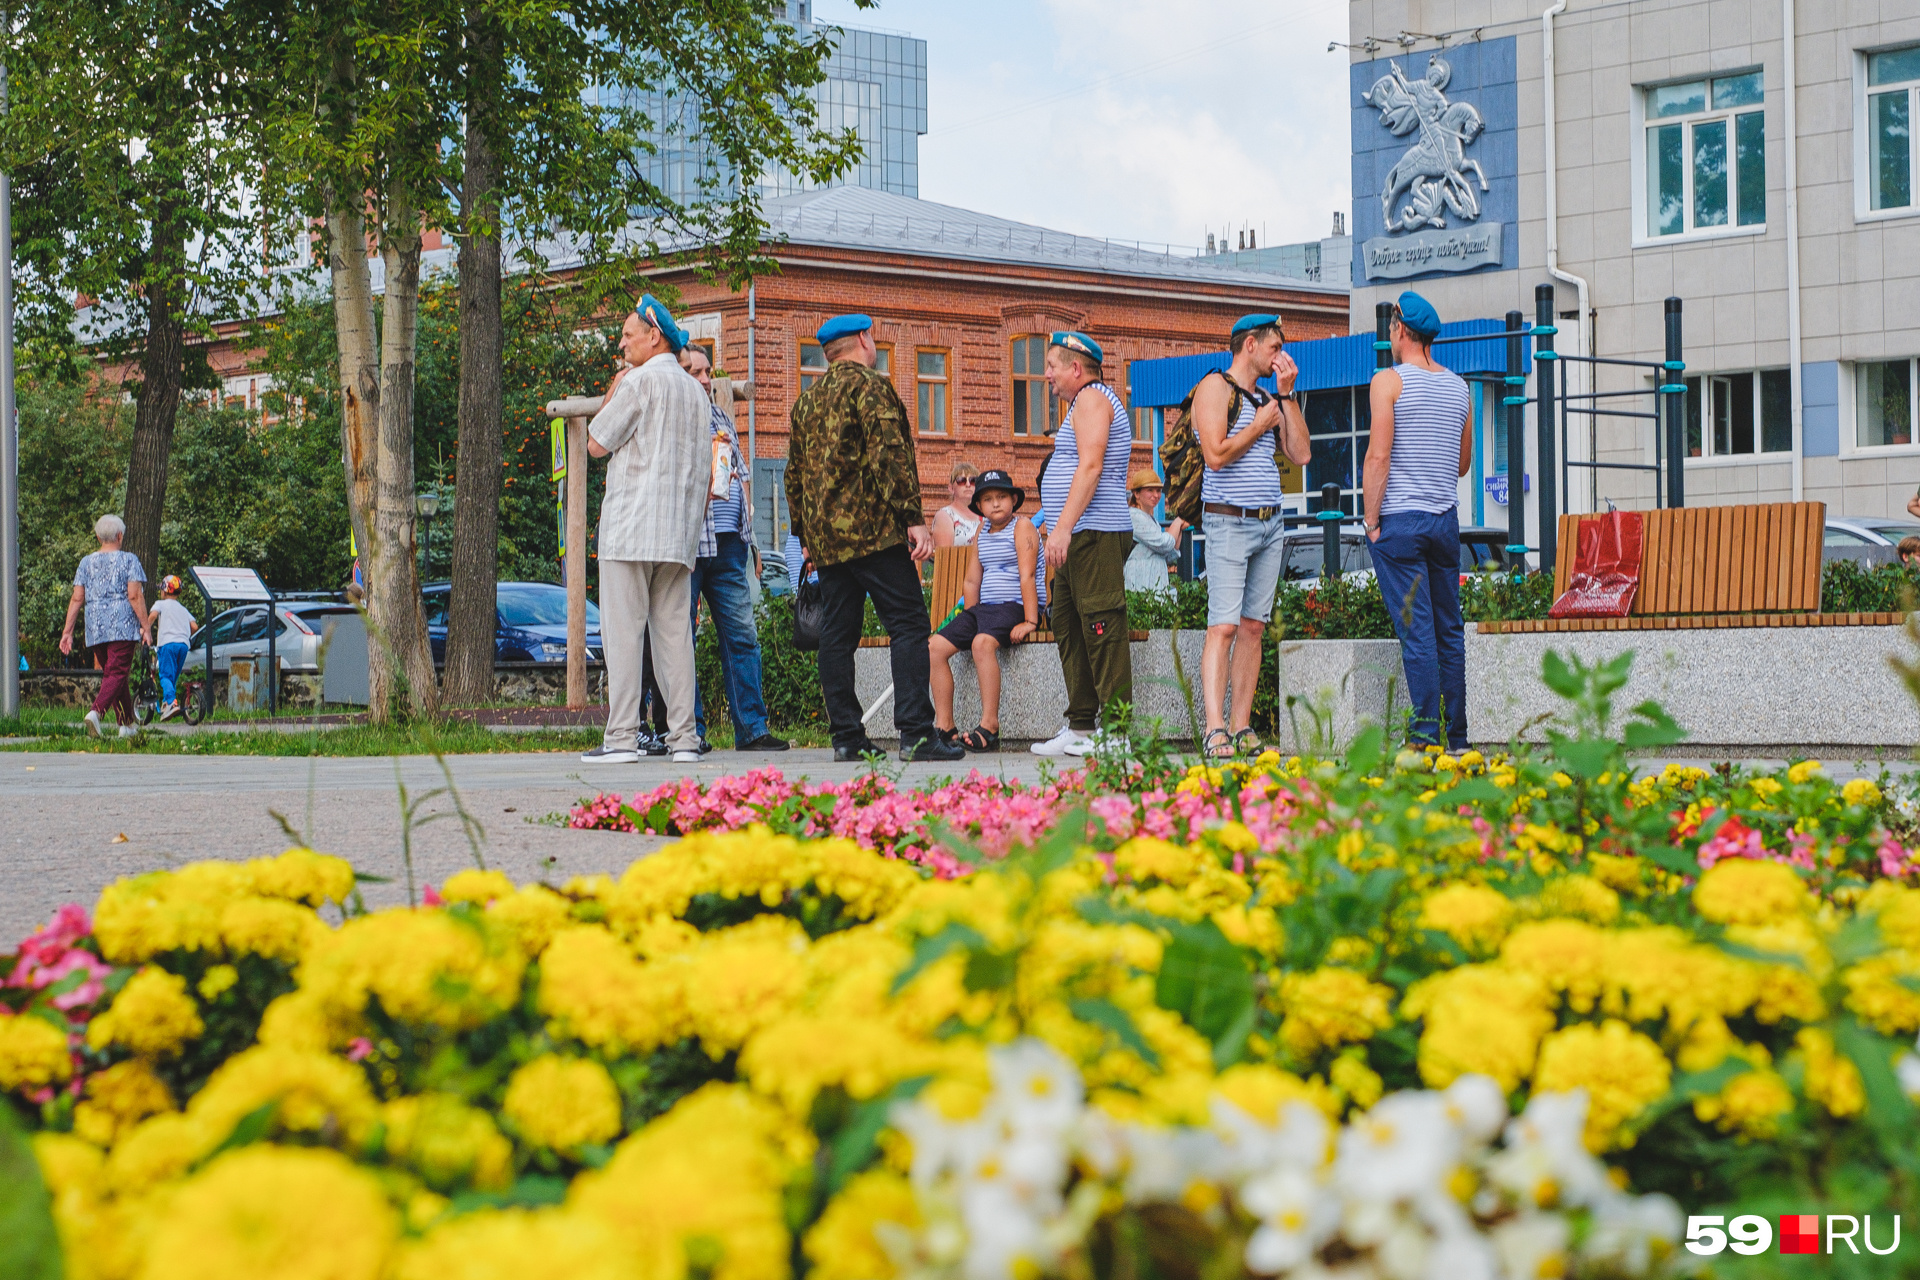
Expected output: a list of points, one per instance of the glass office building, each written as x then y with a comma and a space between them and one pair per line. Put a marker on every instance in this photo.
876, 85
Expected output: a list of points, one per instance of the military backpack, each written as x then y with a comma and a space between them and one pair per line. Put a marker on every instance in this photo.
1180, 457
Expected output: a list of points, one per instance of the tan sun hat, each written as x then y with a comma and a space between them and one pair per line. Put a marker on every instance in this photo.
1144, 478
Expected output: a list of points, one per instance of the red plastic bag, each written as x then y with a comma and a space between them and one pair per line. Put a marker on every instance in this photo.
1606, 569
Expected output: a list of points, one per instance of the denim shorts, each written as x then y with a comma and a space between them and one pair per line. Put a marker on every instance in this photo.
1244, 559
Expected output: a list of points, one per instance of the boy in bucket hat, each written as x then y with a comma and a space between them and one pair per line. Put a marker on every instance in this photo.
1003, 610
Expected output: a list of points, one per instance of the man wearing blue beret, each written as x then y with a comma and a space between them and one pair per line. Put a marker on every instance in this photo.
1422, 444
652, 429
853, 494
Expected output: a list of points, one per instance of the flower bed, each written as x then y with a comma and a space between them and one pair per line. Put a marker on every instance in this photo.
1404, 1017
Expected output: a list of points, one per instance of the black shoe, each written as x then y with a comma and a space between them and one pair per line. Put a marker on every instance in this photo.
765, 742
935, 748
650, 745
853, 752
705, 746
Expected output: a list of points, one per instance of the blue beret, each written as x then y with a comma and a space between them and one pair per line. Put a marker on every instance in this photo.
1245, 323
842, 327
654, 312
1418, 315
1074, 341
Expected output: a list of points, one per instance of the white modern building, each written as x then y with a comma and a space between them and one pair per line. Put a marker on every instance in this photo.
1753, 158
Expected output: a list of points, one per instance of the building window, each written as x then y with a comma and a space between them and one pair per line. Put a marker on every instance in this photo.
813, 362
1893, 79
1731, 414
1883, 402
1339, 423
1706, 155
1035, 410
930, 373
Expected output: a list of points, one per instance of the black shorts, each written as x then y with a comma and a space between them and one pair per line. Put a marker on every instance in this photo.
996, 620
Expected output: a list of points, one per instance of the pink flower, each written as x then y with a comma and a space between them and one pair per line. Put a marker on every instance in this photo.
431, 899
53, 953
359, 1049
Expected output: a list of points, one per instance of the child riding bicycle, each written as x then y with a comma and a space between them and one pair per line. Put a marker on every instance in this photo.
173, 628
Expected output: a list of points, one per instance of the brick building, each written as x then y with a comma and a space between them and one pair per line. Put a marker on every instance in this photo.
962, 304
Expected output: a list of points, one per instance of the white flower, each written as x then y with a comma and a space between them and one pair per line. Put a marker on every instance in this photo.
1908, 1069
1626, 1230
1546, 1163
1300, 1138
1476, 1104
1161, 1164
1533, 1245
1462, 1255
1035, 1085
1404, 1146
1005, 1240
1297, 1215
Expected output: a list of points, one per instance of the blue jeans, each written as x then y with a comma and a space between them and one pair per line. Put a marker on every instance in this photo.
722, 579
1417, 564
170, 658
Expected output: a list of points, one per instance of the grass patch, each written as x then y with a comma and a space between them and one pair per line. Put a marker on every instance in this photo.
420, 738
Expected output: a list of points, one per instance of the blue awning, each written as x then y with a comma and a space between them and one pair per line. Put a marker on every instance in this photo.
1325, 363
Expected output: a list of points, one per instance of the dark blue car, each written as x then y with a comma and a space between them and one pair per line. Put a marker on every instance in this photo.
531, 622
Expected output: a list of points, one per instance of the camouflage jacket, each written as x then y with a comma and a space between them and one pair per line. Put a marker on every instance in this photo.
853, 482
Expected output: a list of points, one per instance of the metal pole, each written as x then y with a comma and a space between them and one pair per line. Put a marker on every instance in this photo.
1674, 393
1382, 323
273, 654
9, 460
1515, 404
1545, 361
1330, 517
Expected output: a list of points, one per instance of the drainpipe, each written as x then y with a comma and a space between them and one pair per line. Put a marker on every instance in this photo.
753, 394
1552, 183
1791, 88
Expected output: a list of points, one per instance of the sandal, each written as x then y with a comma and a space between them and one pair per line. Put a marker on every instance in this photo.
1222, 752
1247, 743
980, 740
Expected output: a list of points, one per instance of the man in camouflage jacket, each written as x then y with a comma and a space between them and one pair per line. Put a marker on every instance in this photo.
853, 494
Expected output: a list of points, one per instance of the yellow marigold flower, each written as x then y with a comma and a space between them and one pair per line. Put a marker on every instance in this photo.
1331, 1007
1799, 773
1787, 990
562, 1103
33, 1053
1861, 791
1479, 1018
1622, 1071
153, 1016
796, 1057
588, 888
1750, 891
311, 1093
744, 977
1582, 897
294, 1214
301, 875
1261, 1091
1568, 955
1831, 1080
476, 886
158, 1149
432, 967
1751, 1104
843, 1245
713, 1168
1660, 972
1351, 1076
1898, 910
141, 917
532, 916
594, 991
515, 1244
297, 1020
1620, 873
1472, 760
1147, 858
67, 1163
118, 1099
1472, 915
217, 981
1877, 990
269, 927
1256, 928
448, 1143
756, 863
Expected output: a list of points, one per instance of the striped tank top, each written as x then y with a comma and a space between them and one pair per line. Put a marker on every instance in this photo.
999, 565
1423, 472
1250, 480
1107, 512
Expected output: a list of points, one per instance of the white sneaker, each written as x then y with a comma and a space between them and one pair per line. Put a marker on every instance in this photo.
686, 757
128, 731
1059, 744
1104, 743
92, 721
169, 711
604, 754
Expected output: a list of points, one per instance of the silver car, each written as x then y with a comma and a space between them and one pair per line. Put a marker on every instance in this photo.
242, 633
1868, 531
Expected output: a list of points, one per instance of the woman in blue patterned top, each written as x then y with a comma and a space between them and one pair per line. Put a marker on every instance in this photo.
108, 584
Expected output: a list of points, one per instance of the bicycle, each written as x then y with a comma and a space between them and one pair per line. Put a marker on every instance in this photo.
146, 691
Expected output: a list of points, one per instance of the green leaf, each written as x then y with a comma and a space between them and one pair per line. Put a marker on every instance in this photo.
991, 970
1560, 677
1587, 757
936, 947
1102, 1012
1889, 1110
1205, 979
1655, 728
367, 877
29, 1245
1368, 749
530, 1192
252, 1127
855, 1145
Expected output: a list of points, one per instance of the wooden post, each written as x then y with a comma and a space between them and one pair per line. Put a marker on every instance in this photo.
577, 410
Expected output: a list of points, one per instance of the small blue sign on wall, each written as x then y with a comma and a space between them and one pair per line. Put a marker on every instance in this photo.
1436, 162
1497, 487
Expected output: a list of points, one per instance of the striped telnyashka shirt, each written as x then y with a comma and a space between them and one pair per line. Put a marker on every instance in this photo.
1107, 511
1250, 480
999, 565
1423, 472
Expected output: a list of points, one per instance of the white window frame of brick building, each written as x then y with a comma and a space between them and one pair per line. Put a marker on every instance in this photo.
932, 400
1857, 381
1886, 82
1714, 406
1724, 100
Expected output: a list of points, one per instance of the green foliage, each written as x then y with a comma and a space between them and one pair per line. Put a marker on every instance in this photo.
1488, 596
1847, 586
29, 1246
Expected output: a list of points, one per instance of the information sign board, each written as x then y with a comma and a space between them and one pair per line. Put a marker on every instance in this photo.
231, 584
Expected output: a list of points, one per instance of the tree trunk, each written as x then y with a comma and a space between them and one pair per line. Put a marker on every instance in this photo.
476, 514
393, 580
162, 368
359, 406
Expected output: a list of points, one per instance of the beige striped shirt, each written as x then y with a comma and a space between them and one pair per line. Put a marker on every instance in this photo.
654, 427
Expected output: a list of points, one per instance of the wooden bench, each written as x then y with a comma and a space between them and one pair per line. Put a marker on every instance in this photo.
949, 583
1706, 567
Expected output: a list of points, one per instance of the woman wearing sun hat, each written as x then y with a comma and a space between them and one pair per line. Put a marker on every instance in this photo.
1154, 550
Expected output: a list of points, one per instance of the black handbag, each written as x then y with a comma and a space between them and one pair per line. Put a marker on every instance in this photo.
809, 611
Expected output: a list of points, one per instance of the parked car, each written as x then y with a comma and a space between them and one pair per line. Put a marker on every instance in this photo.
530, 622
1480, 547
1868, 531
241, 632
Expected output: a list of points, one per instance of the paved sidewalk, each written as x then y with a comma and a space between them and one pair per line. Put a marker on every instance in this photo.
61, 814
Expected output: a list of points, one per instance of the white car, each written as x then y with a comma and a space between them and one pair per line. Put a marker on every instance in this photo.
1868, 531
242, 633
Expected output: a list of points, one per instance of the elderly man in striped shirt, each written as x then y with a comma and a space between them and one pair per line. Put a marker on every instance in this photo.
653, 431
1422, 444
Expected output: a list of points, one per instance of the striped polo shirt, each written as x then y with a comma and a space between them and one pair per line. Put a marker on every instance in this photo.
1107, 512
1423, 472
999, 565
1250, 480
